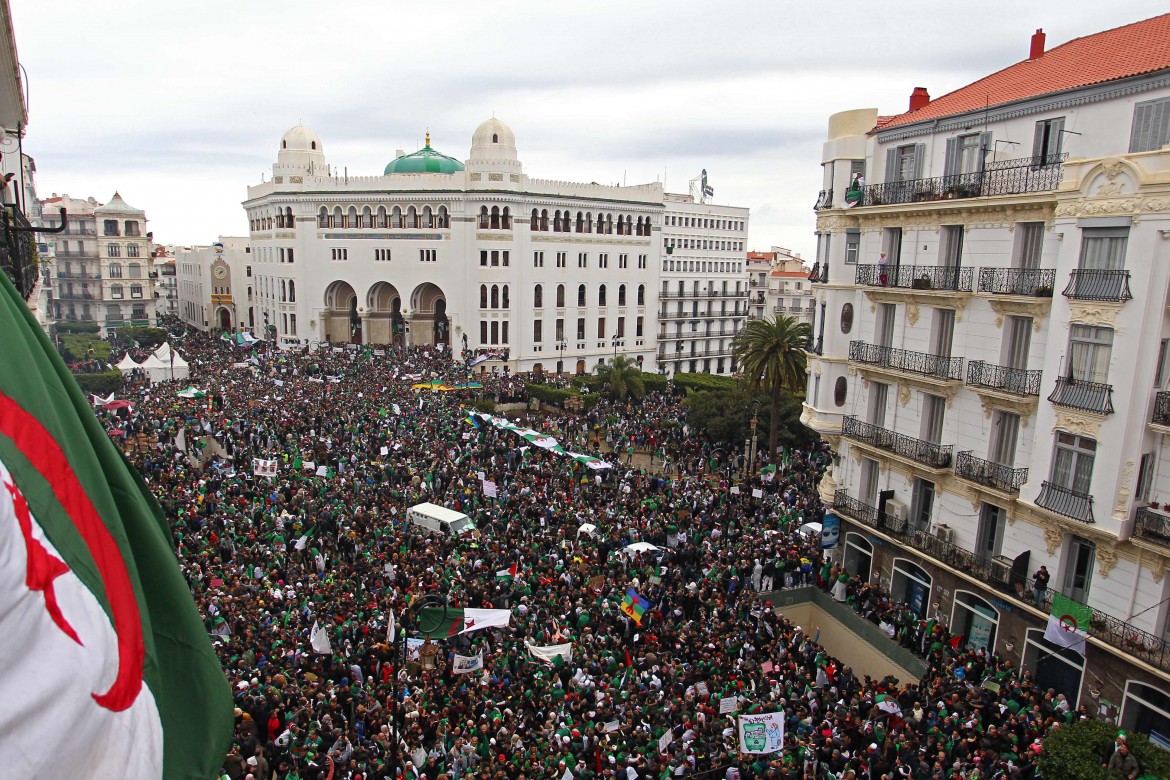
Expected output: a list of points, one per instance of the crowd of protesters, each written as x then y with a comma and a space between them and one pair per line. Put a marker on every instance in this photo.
326, 542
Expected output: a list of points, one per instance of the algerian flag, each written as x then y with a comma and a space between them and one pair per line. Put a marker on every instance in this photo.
1068, 625
320, 640
888, 704
554, 655
509, 573
391, 630
109, 670
448, 621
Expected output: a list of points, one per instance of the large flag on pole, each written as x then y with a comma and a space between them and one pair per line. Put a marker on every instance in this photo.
1068, 625
109, 670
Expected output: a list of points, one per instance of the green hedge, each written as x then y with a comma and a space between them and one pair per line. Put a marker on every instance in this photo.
557, 396
67, 326
102, 384
651, 381
1075, 752
148, 338
700, 382
76, 347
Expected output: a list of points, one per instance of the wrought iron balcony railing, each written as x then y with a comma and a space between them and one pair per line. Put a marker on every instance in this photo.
855, 509
937, 456
819, 273
915, 277
18, 250
1095, 285
1124, 636
824, 200
1161, 409
1066, 501
1079, 394
923, 363
1152, 525
1018, 381
989, 473
1005, 177
1033, 282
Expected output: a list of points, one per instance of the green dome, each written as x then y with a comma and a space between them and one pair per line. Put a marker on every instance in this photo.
425, 160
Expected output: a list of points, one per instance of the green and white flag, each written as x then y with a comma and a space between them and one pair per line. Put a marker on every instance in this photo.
440, 622
1068, 625
109, 670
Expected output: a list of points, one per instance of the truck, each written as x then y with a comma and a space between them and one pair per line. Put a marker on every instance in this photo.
439, 519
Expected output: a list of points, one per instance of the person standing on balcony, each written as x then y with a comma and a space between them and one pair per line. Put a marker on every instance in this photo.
883, 269
1040, 583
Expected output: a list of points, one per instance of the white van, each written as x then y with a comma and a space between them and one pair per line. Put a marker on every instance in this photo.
439, 519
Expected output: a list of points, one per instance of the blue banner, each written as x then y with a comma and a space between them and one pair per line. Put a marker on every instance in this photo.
830, 531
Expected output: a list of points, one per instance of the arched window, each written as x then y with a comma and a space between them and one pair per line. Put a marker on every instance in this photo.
484, 218
495, 138
589, 222
506, 219
483, 296
412, 217
544, 219
383, 220
580, 295
288, 217
600, 223
134, 271
495, 223
621, 295
1145, 709
858, 556
396, 217
911, 585
495, 297
534, 221
538, 297
351, 217
336, 220
283, 292
974, 620
115, 270
444, 218
292, 291
428, 219
117, 291
629, 225
641, 295
561, 296
601, 295
313, 145
505, 303
580, 222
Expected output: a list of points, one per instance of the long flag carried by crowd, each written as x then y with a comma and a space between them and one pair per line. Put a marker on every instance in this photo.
109, 671
439, 622
536, 438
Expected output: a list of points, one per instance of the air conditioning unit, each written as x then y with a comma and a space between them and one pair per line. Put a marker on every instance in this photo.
896, 510
945, 533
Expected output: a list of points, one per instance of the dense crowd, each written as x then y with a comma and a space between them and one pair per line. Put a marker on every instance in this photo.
267, 558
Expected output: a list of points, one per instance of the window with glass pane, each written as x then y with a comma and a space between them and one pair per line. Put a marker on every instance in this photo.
1003, 438
1029, 244
1089, 350
922, 504
1072, 462
852, 246
989, 538
1103, 249
878, 393
933, 410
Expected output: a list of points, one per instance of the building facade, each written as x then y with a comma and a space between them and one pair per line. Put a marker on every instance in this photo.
542, 275
779, 285
703, 300
989, 358
215, 288
103, 270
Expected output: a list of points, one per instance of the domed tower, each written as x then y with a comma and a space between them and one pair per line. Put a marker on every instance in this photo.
425, 160
493, 151
301, 152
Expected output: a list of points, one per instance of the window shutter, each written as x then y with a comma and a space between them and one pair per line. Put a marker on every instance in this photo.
891, 165
1038, 143
984, 149
951, 166
919, 159
1055, 138
1151, 125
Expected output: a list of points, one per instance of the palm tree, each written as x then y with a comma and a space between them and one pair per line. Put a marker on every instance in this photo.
771, 355
623, 377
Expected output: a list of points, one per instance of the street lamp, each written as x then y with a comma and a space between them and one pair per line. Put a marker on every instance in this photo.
412, 618
755, 421
561, 347
616, 342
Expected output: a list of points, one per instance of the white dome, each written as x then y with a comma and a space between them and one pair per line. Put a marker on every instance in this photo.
301, 139
493, 140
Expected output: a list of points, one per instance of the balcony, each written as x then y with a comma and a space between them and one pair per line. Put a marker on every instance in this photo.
1017, 381
1029, 282
1161, 414
1005, 177
1096, 285
819, 273
989, 474
1152, 525
18, 256
1065, 501
719, 294
924, 278
935, 456
904, 360
1086, 396
824, 200
855, 509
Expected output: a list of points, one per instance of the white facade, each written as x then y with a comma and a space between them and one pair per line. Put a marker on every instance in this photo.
703, 292
779, 285
992, 381
546, 275
215, 286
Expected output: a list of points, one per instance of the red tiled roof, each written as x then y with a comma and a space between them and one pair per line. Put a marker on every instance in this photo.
1141, 47
791, 274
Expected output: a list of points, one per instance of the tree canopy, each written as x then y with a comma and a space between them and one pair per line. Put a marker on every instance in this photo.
772, 358
622, 378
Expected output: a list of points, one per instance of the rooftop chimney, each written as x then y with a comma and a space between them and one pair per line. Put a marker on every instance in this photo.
1037, 49
919, 98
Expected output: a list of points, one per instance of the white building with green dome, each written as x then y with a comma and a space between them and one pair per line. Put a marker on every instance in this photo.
541, 274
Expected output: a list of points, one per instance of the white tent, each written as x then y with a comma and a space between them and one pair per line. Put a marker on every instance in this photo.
176, 367
127, 364
156, 370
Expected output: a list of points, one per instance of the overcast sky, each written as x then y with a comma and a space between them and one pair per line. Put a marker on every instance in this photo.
180, 106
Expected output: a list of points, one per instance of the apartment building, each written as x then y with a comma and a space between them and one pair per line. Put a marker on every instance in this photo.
779, 284
989, 359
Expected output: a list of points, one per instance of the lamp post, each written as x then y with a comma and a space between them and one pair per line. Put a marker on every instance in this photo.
561, 347
616, 342
411, 619
755, 421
